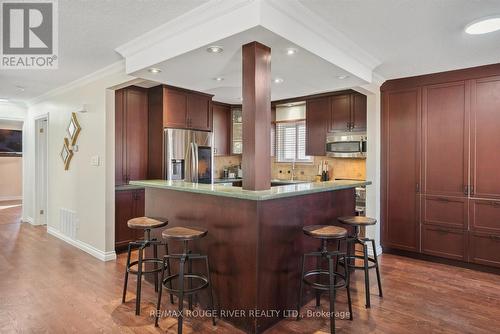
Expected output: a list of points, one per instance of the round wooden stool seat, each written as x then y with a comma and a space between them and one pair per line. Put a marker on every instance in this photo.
184, 233
325, 231
146, 223
357, 220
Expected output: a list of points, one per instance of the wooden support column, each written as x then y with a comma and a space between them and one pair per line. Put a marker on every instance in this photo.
256, 162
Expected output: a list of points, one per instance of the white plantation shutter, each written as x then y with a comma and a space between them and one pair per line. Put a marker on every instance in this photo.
291, 142
273, 140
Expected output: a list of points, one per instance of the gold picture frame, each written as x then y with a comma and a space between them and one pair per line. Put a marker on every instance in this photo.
73, 129
66, 154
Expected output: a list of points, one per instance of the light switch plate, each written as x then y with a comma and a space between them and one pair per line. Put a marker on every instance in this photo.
95, 160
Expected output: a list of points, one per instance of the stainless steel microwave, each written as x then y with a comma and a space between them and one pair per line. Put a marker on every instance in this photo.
346, 145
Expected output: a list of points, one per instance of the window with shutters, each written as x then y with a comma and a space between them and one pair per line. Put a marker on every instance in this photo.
291, 142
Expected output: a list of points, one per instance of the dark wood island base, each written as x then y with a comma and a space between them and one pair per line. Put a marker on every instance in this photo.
254, 246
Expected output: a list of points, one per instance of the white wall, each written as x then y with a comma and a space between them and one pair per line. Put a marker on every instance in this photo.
84, 189
372, 91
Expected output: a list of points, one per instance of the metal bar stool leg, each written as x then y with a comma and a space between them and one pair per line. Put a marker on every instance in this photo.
168, 273
318, 292
348, 282
158, 303
139, 282
190, 282
367, 276
210, 291
181, 294
332, 295
126, 273
301, 287
375, 257
155, 255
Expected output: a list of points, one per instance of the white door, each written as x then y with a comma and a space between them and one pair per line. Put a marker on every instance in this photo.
41, 127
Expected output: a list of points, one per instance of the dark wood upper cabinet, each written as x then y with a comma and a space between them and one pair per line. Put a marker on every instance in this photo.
131, 134
175, 107
199, 111
401, 169
184, 109
348, 113
317, 118
340, 109
358, 115
445, 127
485, 137
221, 128
334, 112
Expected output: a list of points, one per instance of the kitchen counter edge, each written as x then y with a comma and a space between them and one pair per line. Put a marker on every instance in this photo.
260, 195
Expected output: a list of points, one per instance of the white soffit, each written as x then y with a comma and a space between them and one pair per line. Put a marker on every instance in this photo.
219, 19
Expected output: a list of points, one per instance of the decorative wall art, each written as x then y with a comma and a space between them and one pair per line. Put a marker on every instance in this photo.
73, 129
69, 145
66, 154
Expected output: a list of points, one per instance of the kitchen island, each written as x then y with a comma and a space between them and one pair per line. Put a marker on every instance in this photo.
255, 240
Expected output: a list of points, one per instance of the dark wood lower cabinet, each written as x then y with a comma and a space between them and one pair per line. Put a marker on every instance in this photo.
128, 204
484, 248
443, 242
445, 211
485, 215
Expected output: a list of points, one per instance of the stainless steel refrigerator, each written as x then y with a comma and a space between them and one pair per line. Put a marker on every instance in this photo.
188, 155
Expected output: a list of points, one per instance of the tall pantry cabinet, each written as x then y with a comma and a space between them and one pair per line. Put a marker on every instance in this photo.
441, 165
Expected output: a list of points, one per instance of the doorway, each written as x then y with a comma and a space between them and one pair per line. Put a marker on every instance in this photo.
41, 170
11, 168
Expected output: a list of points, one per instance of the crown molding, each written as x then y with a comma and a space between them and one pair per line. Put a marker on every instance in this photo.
116, 67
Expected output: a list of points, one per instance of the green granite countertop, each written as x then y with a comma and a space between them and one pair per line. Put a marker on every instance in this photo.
238, 192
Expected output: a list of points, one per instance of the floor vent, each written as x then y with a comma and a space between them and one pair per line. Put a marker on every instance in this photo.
69, 223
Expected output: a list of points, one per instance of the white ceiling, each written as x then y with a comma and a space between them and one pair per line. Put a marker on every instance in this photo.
407, 37
89, 31
412, 37
303, 73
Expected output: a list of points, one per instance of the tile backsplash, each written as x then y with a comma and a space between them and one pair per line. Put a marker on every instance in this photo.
338, 168
229, 161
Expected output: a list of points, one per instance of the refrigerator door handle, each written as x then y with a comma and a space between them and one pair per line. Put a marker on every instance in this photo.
195, 158
193, 163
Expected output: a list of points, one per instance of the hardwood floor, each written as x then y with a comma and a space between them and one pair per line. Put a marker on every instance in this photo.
48, 286
10, 212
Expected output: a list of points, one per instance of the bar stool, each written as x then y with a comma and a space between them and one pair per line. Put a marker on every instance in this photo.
146, 224
336, 280
184, 234
357, 222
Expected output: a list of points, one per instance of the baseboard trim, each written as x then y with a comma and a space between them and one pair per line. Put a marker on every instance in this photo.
10, 198
103, 256
29, 220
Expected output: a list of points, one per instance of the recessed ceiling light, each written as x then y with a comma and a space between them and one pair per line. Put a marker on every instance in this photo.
214, 49
154, 70
342, 77
483, 26
218, 78
278, 80
4, 100
291, 51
